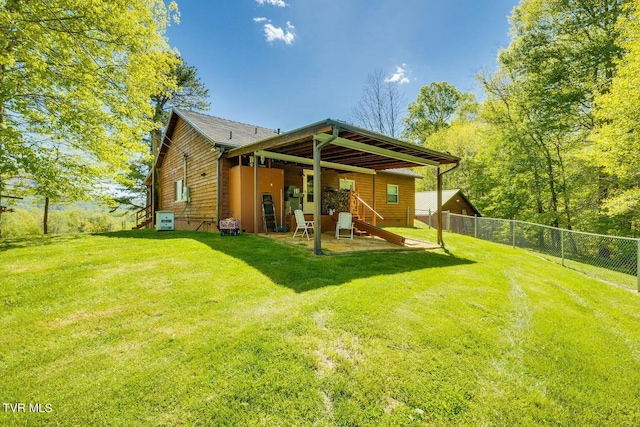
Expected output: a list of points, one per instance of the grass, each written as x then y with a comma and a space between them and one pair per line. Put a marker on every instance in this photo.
183, 328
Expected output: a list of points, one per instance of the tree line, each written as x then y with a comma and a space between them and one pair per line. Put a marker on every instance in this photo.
83, 91
556, 138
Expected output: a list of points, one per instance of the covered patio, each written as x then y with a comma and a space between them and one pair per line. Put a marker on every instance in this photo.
332, 144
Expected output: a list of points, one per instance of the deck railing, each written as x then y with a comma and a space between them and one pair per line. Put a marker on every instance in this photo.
144, 216
359, 207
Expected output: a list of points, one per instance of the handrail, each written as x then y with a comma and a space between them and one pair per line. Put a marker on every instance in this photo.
143, 215
370, 208
354, 199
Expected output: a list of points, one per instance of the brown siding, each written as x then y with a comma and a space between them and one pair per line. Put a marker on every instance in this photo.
458, 205
201, 174
396, 213
270, 180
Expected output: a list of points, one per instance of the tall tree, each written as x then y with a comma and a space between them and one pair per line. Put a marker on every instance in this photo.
562, 54
381, 106
436, 105
189, 93
75, 80
617, 135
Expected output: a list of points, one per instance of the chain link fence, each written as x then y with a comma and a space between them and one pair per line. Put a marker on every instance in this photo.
619, 257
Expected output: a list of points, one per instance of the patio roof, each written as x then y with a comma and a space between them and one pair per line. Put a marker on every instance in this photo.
354, 146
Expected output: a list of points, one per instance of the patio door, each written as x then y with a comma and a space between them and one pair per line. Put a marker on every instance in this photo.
308, 202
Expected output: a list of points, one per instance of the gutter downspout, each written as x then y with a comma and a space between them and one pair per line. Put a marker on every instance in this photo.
218, 184
439, 195
317, 189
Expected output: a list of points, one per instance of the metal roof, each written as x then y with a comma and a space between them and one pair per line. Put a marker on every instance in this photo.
370, 145
224, 132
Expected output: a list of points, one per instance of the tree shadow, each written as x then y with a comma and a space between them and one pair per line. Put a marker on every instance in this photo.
42, 240
297, 268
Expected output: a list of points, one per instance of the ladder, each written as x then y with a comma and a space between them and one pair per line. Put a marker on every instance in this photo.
268, 213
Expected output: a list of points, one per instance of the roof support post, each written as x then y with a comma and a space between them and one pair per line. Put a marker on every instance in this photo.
439, 192
317, 189
439, 204
256, 205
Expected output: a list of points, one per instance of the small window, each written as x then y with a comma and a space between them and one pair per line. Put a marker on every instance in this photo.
392, 193
178, 191
347, 184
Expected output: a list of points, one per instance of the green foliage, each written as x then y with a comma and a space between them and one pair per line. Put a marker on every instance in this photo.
437, 104
28, 222
75, 81
618, 134
210, 330
562, 55
189, 94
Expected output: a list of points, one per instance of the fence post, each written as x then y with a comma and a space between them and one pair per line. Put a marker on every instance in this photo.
638, 265
449, 221
475, 226
513, 233
562, 245
430, 218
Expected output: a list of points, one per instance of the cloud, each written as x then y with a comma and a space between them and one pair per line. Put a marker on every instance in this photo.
278, 3
399, 76
260, 19
273, 33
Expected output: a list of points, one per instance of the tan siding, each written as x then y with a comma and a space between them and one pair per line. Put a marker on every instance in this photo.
201, 176
395, 213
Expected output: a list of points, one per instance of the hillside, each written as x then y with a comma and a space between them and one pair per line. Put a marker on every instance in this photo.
145, 328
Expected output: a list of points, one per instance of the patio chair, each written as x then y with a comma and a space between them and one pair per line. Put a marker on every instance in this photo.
345, 222
302, 224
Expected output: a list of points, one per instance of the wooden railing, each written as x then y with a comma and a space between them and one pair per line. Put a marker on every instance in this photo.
359, 207
144, 216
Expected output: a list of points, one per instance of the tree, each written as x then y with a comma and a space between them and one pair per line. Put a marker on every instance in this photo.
562, 54
436, 105
381, 106
75, 81
189, 93
617, 136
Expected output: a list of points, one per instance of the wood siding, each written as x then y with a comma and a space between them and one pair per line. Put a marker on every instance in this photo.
201, 178
393, 213
403, 212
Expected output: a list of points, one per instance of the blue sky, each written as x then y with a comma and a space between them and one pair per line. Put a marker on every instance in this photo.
288, 63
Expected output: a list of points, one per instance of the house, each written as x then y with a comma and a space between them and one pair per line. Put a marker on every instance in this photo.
453, 201
207, 168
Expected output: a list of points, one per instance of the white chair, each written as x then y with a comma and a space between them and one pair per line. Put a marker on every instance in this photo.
345, 222
302, 224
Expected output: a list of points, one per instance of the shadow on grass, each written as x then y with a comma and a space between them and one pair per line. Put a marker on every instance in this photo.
30, 241
297, 268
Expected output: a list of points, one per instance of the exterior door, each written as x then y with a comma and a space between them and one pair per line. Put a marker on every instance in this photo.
308, 202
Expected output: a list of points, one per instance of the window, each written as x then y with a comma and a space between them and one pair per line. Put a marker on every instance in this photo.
392, 193
347, 184
178, 191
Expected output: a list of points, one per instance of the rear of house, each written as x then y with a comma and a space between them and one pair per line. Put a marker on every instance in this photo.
207, 169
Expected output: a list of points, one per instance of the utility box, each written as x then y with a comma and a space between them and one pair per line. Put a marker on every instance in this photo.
165, 221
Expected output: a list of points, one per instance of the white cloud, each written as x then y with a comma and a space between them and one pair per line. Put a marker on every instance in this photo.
278, 3
273, 33
260, 19
399, 76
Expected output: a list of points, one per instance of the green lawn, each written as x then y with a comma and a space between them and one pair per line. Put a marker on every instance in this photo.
182, 328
